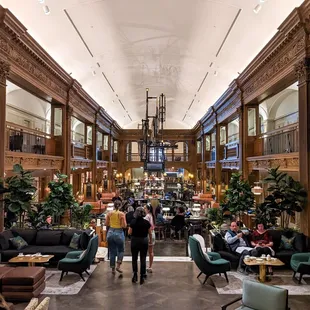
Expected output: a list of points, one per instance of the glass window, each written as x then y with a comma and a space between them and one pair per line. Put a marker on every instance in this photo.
105, 142
115, 147
99, 139
223, 135
89, 135
198, 147
208, 143
251, 122
58, 121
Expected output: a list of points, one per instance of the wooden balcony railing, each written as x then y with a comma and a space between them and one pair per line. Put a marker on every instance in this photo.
133, 157
231, 150
27, 140
80, 150
279, 141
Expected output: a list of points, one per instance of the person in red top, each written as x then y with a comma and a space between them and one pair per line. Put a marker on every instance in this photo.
261, 241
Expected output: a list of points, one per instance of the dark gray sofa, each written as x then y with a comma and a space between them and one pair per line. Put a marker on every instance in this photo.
52, 242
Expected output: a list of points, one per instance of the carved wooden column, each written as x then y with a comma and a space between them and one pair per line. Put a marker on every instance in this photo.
303, 72
218, 168
242, 139
110, 174
94, 164
203, 160
4, 72
66, 125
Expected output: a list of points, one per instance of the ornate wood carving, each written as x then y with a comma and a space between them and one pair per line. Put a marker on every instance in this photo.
33, 161
302, 69
80, 163
230, 164
287, 162
4, 71
102, 164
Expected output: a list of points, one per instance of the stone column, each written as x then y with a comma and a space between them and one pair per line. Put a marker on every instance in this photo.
4, 72
303, 73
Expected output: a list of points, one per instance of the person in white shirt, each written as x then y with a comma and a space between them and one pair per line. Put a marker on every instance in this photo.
238, 243
151, 219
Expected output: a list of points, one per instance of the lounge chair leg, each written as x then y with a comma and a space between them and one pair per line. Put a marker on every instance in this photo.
67, 273
300, 277
205, 280
226, 277
199, 275
294, 274
219, 274
62, 274
82, 276
87, 272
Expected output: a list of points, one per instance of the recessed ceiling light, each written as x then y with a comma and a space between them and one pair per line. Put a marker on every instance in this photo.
46, 10
41, 1
94, 73
257, 9
215, 73
262, 1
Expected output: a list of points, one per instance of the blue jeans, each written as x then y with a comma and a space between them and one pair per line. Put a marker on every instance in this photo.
116, 241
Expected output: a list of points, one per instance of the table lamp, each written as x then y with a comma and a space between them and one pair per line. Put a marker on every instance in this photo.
166, 209
110, 207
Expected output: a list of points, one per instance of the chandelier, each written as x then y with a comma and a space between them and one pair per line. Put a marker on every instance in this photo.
152, 145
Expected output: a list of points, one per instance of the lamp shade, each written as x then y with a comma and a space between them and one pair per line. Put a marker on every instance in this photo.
257, 190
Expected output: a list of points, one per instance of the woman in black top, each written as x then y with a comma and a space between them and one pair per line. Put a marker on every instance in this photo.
141, 237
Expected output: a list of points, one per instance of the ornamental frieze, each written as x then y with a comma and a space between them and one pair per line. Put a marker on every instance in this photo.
230, 164
262, 77
210, 164
33, 69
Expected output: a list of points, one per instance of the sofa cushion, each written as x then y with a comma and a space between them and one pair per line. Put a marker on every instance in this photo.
287, 243
276, 238
48, 237
29, 235
46, 249
23, 276
67, 235
5, 237
299, 242
18, 243
75, 241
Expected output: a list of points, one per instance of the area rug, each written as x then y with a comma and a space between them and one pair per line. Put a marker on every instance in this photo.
163, 259
281, 280
71, 284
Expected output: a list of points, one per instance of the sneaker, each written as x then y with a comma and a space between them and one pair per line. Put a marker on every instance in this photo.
119, 270
113, 270
149, 270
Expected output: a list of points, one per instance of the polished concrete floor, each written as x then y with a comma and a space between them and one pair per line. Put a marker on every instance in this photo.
170, 286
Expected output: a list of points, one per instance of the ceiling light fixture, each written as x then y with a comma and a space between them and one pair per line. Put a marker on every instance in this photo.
46, 10
257, 9
93, 72
41, 1
215, 73
262, 1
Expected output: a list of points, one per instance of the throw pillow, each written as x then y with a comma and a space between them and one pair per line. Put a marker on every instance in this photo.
287, 243
18, 243
84, 240
207, 257
82, 254
75, 241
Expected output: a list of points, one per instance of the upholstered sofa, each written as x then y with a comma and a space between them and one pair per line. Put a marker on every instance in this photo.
299, 245
47, 242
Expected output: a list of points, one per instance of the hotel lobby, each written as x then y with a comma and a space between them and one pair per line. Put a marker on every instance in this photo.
171, 135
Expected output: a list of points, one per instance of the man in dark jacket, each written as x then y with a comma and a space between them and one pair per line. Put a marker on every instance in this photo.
238, 242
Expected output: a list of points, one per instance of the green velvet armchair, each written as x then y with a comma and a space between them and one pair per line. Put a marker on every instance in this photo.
274, 297
300, 263
204, 263
79, 261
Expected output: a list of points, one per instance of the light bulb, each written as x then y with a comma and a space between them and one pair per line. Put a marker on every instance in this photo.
46, 10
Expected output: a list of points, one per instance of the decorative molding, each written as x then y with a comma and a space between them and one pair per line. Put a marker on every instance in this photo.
80, 163
286, 162
302, 69
33, 161
4, 71
233, 164
102, 164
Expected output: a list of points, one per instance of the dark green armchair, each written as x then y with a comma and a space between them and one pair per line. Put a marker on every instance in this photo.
204, 263
79, 261
300, 263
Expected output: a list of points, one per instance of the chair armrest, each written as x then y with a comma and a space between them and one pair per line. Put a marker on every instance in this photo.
214, 255
74, 254
224, 307
302, 257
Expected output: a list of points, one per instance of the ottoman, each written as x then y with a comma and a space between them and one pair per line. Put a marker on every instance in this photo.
23, 283
3, 271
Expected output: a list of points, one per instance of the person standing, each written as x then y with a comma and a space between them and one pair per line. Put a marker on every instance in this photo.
141, 235
116, 221
151, 219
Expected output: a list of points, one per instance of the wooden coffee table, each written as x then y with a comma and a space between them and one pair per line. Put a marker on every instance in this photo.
262, 266
31, 260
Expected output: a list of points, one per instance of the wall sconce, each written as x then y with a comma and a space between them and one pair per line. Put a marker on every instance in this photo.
100, 189
110, 207
166, 210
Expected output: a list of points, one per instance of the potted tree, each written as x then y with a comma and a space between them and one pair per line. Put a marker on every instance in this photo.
60, 198
21, 192
286, 196
81, 215
238, 197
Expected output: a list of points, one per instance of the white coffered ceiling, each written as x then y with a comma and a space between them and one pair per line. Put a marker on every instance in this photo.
188, 49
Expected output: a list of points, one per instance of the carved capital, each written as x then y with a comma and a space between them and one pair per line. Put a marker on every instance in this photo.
302, 69
4, 71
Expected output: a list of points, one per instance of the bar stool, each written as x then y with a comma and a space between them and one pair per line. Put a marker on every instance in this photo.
161, 230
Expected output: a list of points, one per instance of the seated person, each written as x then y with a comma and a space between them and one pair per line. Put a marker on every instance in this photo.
159, 216
130, 215
238, 243
261, 241
47, 224
178, 222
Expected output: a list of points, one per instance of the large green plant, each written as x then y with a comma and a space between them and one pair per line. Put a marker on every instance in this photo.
60, 197
81, 215
238, 197
215, 215
286, 195
22, 191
